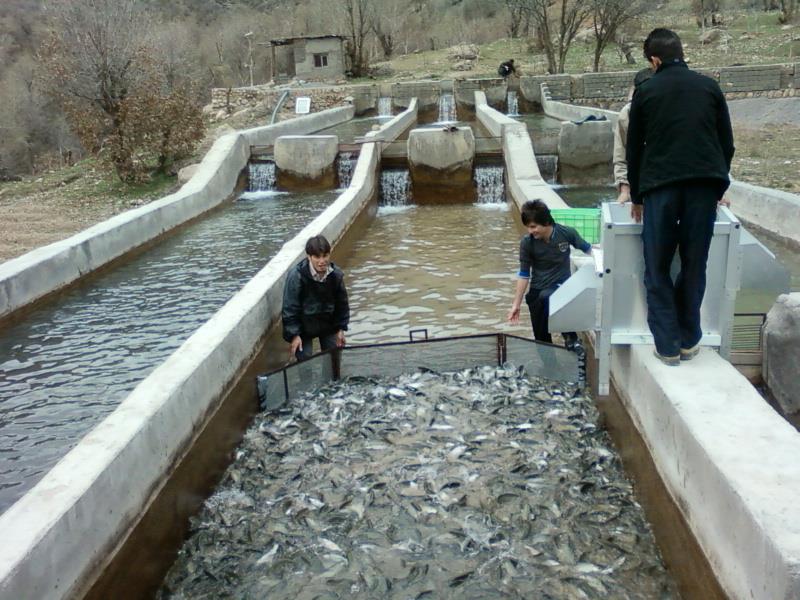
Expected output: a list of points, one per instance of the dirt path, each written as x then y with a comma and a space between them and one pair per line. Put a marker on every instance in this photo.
755, 112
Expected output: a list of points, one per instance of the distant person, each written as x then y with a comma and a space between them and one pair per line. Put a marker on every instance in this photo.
315, 302
544, 265
679, 151
507, 68
621, 137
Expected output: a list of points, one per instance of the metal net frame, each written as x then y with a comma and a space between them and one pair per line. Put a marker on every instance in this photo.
538, 359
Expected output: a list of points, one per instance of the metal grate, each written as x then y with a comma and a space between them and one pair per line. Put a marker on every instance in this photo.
747, 329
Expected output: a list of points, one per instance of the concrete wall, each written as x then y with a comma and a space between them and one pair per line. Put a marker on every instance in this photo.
304, 51
729, 461
59, 532
773, 210
426, 92
49, 268
523, 180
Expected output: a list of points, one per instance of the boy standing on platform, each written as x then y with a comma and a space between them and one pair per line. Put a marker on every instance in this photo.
544, 265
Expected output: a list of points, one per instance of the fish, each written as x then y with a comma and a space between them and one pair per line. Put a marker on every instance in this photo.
477, 483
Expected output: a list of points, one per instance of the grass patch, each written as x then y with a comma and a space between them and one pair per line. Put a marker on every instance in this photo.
768, 156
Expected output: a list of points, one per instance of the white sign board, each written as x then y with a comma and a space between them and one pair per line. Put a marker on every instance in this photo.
302, 106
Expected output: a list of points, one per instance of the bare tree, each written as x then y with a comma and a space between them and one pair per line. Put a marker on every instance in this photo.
388, 19
706, 12
556, 25
105, 71
356, 16
789, 11
608, 17
519, 20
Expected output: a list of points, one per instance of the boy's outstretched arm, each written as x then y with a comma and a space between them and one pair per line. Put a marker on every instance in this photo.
522, 287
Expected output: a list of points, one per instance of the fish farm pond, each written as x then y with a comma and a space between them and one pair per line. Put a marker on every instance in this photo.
480, 483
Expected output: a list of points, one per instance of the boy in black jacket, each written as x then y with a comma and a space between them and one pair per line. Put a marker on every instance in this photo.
679, 151
315, 302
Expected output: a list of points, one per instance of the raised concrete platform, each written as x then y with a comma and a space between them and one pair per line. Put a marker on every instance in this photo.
729, 461
440, 162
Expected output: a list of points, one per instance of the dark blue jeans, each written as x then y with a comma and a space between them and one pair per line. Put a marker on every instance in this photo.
326, 342
539, 306
677, 216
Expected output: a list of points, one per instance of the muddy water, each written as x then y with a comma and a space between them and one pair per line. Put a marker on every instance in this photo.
448, 269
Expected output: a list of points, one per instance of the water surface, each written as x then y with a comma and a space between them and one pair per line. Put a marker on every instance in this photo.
71, 361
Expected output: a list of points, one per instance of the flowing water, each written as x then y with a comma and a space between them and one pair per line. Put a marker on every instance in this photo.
449, 269
345, 164
262, 176
489, 183
385, 107
72, 360
447, 109
512, 104
395, 187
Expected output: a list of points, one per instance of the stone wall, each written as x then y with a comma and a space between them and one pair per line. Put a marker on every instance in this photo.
365, 97
609, 90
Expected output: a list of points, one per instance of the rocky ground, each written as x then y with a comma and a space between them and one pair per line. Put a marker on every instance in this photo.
61, 202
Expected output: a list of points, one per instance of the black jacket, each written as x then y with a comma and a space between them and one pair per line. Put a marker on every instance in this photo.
679, 130
312, 309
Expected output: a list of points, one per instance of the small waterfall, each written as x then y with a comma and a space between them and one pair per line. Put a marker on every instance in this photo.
447, 108
548, 167
344, 168
395, 187
384, 107
262, 176
489, 183
512, 104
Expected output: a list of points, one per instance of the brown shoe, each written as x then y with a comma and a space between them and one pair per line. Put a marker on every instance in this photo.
690, 353
670, 361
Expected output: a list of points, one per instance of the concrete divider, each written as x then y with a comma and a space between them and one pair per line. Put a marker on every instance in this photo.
774, 210
729, 461
31, 276
571, 112
57, 536
523, 179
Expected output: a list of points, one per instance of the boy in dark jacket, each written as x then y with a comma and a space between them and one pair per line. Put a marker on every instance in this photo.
544, 265
315, 302
679, 151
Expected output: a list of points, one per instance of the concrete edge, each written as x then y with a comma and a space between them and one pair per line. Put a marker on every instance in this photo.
523, 179
27, 278
64, 527
390, 130
711, 448
774, 210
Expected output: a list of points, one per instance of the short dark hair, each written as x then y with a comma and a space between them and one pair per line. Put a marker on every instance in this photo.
665, 44
318, 246
642, 76
536, 211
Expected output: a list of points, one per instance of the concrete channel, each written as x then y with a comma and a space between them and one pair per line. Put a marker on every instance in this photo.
721, 465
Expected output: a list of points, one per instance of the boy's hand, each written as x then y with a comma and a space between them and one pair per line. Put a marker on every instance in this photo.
636, 212
297, 344
340, 339
624, 193
513, 314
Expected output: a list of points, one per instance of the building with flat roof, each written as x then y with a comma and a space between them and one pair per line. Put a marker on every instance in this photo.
317, 57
